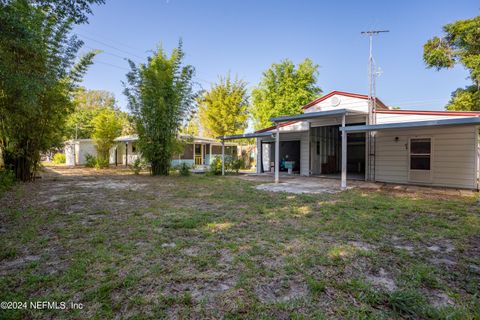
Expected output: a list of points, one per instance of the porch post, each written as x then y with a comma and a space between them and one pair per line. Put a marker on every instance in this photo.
343, 184
126, 153
194, 162
223, 157
277, 155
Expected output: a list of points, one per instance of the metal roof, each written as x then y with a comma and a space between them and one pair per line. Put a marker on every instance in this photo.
313, 115
415, 124
134, 137
246, 136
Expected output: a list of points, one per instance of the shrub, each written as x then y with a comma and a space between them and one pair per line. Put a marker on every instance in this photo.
90, 161
7, 179
215, 166
137, 166
101, 163
184, 169
59, 158
236, 165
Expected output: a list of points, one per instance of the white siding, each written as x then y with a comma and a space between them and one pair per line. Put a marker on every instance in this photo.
454, 156
356, 104
391, 118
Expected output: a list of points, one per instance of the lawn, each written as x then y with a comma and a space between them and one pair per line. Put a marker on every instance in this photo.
141, 247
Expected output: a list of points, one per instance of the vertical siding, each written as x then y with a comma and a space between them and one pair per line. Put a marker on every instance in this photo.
259, 155
305, 154
453, 161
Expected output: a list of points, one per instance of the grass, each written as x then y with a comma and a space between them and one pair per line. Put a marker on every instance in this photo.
215, 247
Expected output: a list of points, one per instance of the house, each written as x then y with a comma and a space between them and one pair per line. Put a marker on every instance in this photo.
343, 135
198, 151
76, 151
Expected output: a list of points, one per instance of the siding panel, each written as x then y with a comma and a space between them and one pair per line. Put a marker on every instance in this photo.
453, 157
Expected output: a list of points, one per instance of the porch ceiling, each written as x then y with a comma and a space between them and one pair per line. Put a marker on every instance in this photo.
319, 114
415, 124
246, 136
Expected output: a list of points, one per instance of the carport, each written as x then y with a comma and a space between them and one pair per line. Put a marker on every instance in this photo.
306, 117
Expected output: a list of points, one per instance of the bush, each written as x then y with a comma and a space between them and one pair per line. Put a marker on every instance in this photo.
101, 163
215, 166
90, 161
7, 179
235, 165
137, 166
94, 162
184, 169
59, 158
231, 165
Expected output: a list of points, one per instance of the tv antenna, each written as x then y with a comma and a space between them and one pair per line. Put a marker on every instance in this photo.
373, 73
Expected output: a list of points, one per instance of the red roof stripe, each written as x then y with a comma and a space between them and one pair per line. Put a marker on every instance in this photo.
273, 127
341, 93
431, 113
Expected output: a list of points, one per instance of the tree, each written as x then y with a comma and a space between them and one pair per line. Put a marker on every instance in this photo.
192, 126
87, 105
160, 96
224, 109
107, 126
283, 90
37, 77
459, 45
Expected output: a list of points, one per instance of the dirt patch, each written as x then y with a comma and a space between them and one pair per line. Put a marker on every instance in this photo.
281, 291
382, 280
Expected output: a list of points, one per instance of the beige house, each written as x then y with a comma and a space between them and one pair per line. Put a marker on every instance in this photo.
198, 151
344, 135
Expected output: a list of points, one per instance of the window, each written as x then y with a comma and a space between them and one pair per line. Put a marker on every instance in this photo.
420, 154
134, 147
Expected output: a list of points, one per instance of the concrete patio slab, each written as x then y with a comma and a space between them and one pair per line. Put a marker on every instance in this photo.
317, 185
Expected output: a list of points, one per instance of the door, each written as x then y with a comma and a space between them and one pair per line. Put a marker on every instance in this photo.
198, 154
420, 159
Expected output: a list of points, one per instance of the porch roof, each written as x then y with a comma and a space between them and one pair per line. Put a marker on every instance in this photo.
134, 137
318, 114
414, 124
246, 136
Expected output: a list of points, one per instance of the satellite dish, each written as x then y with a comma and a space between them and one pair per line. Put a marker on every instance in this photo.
335, 101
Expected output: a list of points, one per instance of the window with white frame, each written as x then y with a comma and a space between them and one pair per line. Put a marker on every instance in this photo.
420, 154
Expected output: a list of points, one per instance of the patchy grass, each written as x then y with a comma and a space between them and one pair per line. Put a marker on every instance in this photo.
140, 247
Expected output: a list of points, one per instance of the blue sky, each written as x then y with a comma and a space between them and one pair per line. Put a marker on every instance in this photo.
245, 37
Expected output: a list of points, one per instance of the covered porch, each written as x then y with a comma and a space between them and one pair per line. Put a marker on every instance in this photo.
310, 144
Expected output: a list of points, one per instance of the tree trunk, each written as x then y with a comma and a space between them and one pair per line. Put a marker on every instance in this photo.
21, 165
159, 168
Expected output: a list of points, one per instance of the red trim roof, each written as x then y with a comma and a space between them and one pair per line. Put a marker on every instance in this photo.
284, 124
345, 94
431, 113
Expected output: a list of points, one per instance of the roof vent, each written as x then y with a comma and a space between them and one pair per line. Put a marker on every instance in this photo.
335, 101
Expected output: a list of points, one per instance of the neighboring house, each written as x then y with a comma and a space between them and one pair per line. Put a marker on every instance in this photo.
437, 148
198, 151
77, 149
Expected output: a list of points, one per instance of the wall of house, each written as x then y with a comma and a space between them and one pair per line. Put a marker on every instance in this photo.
82, 148
401, 117
453, 162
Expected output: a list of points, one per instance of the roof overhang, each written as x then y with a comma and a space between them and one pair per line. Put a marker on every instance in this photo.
246, 136
315, 115
415, 124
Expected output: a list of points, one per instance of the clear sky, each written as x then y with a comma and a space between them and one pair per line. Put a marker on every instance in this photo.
245, 37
